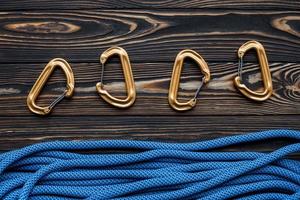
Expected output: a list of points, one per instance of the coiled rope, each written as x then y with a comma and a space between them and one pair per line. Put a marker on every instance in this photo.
56, 170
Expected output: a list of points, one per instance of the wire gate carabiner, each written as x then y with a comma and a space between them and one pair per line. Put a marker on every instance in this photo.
129, 81
41, 81
265, 71
175, 79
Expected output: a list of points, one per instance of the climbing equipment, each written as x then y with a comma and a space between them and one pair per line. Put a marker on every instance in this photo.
174, 84
265, 72
129, 81
64, 170
41, 81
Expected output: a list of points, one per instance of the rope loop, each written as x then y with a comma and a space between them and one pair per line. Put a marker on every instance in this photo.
199, 170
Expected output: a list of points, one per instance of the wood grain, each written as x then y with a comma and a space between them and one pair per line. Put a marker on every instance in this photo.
80, 36
219, 97
152, 32
144, 4
20, 131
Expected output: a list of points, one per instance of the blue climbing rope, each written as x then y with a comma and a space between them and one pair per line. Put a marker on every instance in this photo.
60, 170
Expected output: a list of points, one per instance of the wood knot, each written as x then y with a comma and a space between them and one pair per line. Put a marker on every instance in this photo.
288, 24
43, 27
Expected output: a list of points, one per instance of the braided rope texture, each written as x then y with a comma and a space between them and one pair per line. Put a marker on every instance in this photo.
65, 170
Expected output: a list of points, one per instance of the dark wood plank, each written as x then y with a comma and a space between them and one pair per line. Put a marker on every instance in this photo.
20, 131
147, 35
219, 97
153, 33
92, 4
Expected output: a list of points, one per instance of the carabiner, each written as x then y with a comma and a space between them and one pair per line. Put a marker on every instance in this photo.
41, 81
129, 81
265, 71
174, 84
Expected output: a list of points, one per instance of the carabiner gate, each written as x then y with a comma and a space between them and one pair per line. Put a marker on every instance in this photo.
174, 84
265, 71
41, 81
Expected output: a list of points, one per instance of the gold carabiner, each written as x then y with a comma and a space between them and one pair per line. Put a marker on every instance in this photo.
265, 71
41, 81
174, 84
129, 81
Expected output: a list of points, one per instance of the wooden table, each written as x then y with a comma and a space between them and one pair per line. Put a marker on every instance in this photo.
152, 32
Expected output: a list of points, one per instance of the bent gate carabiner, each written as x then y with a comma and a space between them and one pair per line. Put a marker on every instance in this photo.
265, 72
174, 84
41, 81
129, 81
